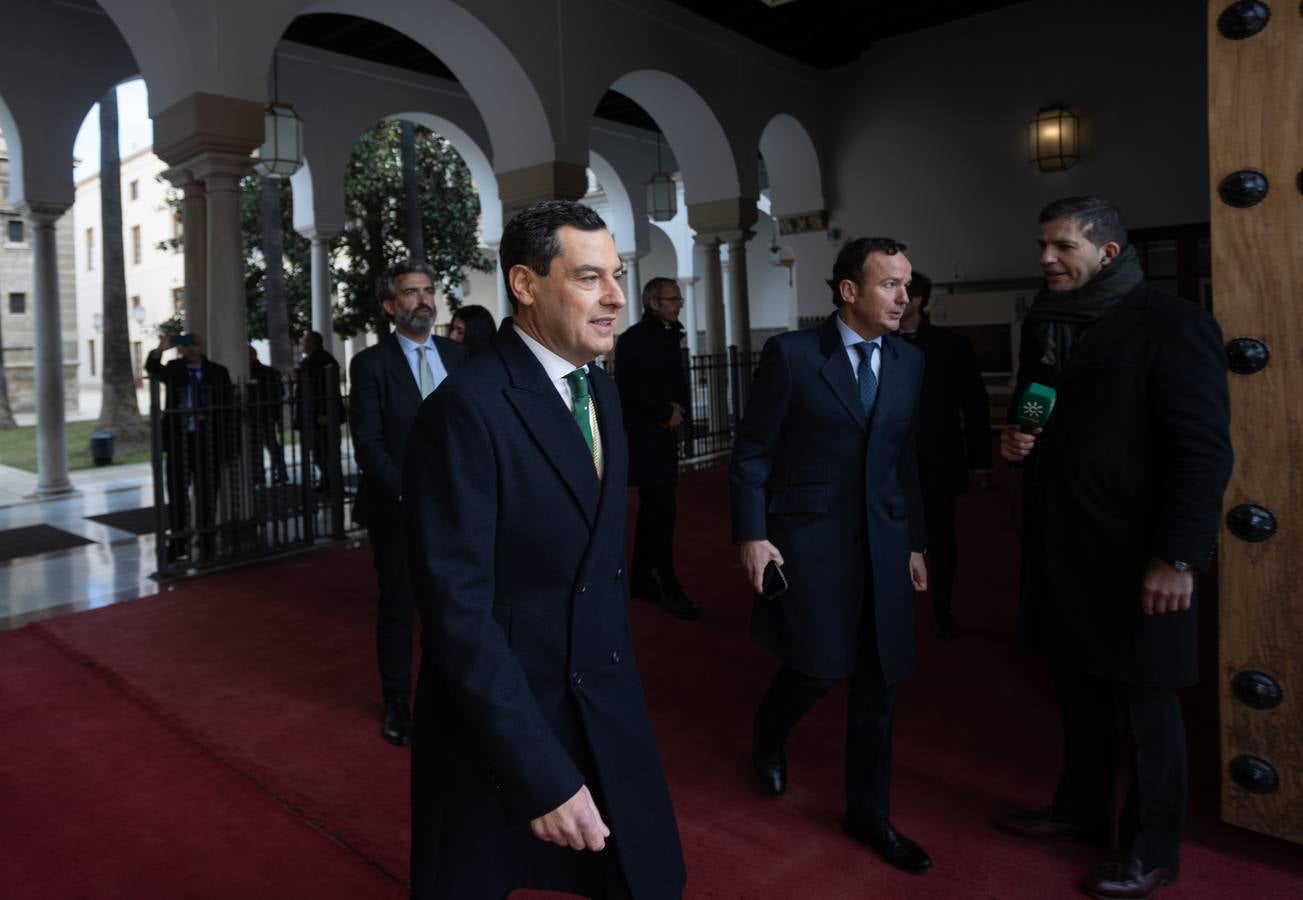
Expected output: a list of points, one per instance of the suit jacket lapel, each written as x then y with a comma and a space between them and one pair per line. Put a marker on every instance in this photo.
888, 379
396, 361
837, 369
545, 416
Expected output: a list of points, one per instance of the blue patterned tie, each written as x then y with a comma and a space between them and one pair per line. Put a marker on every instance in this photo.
868, 381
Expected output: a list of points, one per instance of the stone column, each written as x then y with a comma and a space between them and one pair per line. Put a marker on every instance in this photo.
689, 315
226, 335
504, 302
712, 293
323, 308
558, 179
632, 291
194, 231
739, 302
51, 440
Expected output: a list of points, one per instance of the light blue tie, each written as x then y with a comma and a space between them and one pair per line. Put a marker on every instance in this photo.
426, 373
868, 381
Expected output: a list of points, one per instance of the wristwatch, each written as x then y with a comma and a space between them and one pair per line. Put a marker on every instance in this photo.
1181, 566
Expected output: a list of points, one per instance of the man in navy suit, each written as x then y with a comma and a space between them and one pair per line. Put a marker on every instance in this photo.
534, 763
824, 484
389, 380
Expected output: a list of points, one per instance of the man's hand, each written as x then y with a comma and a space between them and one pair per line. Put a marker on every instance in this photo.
676, 417
1164, 589
164, 343
575, 824
1014, 445
755, 555
918, 571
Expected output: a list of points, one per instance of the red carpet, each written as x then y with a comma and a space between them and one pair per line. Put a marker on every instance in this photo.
220, 740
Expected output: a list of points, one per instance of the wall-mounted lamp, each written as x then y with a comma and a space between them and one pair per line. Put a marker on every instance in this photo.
662, 194
1053, 139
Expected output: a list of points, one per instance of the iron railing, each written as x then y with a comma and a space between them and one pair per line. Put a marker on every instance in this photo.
262, 471
270, 468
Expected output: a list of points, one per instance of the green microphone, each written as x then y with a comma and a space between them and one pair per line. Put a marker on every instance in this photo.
1034, 407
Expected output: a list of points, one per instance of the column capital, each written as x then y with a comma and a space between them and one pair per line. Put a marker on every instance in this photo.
320, 232
203, 123
41, 214
706, 239
217, 168
545, 181
184, 180
737, 240
719, 216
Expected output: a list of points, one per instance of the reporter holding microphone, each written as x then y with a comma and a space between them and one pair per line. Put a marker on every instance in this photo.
1121, 425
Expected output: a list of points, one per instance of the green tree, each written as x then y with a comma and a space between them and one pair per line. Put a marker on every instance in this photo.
296, 264
376, 235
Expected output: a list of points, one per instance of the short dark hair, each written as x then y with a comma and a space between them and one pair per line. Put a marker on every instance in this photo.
652, 289
920, 286
1098, 219
530, 238
387, 284
850, 261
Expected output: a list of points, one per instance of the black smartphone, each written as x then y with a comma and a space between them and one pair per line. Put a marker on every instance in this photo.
182, 340
773, 583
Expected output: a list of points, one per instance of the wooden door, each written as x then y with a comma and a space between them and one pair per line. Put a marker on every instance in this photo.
1255, 80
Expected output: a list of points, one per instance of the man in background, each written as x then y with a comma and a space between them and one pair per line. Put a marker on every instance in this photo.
654, 395
1122, 505
318, 373
954, 440
388, 382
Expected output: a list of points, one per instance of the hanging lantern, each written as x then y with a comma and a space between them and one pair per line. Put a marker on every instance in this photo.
281, 152
662, 192
1052, 139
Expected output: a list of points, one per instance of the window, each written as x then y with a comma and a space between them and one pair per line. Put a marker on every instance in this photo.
15, 234
90, 347
133, 190
178, 232
135, 244
90, 249
17, 304
135, 301
178, 299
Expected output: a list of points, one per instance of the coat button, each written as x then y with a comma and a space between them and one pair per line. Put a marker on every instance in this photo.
615, 657
577, 678
619, 572
583, 588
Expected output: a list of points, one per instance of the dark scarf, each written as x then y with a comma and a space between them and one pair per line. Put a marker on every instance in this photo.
676, 327
1061, 320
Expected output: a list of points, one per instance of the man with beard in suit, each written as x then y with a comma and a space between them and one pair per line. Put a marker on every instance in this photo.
389, 380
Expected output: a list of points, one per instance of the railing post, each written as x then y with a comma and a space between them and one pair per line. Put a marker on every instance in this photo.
307, 439
332, 469
161, 541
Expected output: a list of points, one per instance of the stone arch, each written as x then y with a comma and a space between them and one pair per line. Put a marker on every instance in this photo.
519, 130
13, 139
691, 127
486, 182
795, 179
621, 218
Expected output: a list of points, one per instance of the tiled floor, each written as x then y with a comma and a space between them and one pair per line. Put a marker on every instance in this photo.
116, 567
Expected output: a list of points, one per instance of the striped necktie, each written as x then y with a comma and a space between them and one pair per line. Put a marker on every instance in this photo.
585, 414
426, 381
868, 381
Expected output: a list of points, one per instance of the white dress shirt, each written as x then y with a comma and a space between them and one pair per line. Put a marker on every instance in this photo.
557, 369
412, 353
849, 339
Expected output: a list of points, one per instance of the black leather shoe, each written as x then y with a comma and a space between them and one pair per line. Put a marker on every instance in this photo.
892, 846
677, 604
397, 726
1041, 825
770, 763
1127, 878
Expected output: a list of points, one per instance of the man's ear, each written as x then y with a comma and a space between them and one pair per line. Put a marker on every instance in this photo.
388, 306
521, 278
1111, 251
846, 288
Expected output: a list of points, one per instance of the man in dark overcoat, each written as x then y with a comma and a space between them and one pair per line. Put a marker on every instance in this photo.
824, 482
954, 440
197, 438
655, 399
388, 382
534, 763
318, 376
1123, 491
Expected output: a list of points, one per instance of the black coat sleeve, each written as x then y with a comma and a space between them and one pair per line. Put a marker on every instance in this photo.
367, 425
976, 405
1190, 397
451, 510
635, 375
907, 475
756, 443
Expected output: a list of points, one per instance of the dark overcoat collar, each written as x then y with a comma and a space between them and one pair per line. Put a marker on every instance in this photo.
840, 376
